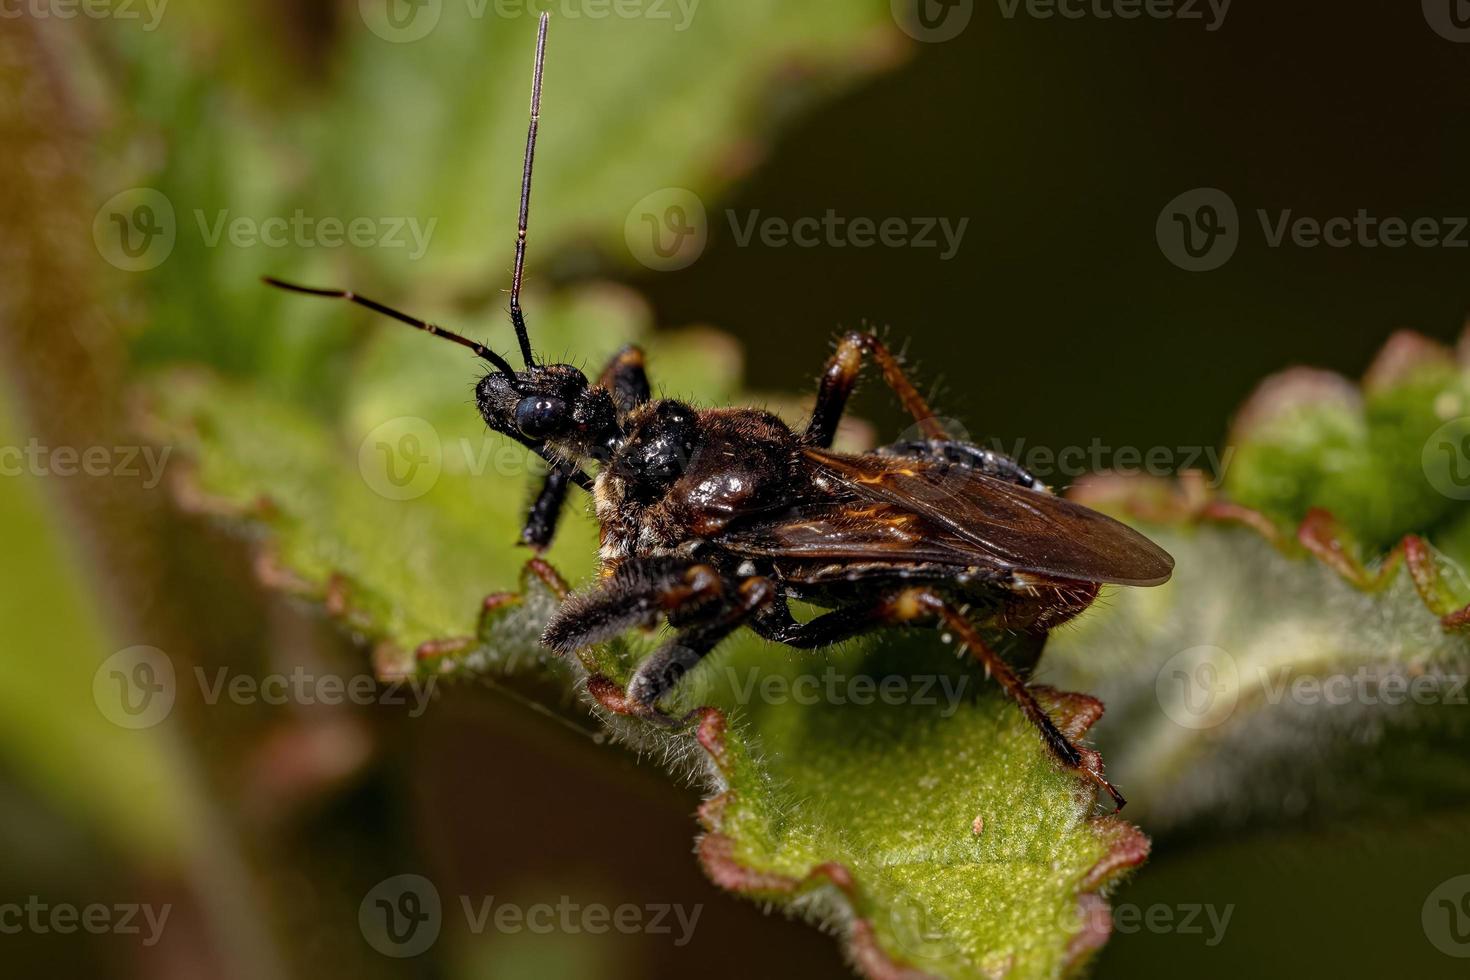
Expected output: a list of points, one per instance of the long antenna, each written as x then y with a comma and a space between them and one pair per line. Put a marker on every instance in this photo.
480, 350
517, 318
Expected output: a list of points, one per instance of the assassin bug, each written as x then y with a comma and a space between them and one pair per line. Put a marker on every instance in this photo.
713, 519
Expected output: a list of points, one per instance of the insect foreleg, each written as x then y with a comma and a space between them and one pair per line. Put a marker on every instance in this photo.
840, 377
637, 594
626, 378
661, 672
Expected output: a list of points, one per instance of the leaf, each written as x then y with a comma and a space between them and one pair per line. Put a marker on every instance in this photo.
1311, 653
683, 95
933, 833
423, 141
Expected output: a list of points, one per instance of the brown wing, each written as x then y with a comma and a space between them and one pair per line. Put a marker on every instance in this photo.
931, 511
860, 531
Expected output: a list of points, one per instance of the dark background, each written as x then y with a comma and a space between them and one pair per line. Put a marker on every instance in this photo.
1062, 140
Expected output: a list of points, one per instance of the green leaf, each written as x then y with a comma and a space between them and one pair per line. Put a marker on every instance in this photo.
886, 790
680, 96
1311, 653
423, 140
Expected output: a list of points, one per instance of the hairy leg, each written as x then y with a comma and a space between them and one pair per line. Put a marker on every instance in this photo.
661, 672
638, 593
919, 605
840, 376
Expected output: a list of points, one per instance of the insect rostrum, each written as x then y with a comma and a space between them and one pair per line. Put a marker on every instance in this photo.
715, 519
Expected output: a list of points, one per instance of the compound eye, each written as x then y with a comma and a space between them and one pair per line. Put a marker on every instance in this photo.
540, 415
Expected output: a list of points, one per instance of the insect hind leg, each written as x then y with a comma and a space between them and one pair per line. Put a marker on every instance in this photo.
839, 378
1059, 745
911, 607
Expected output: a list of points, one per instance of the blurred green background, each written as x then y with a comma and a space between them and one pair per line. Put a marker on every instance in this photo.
1059, 320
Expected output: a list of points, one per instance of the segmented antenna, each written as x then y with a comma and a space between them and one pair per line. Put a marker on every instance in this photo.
517, 318
480, 350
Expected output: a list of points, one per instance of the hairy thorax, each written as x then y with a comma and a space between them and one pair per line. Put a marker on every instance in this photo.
683, 476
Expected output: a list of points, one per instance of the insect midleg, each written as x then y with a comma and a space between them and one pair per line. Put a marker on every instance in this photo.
626, 378
775, 623
661, 672
637, 594
840, 376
